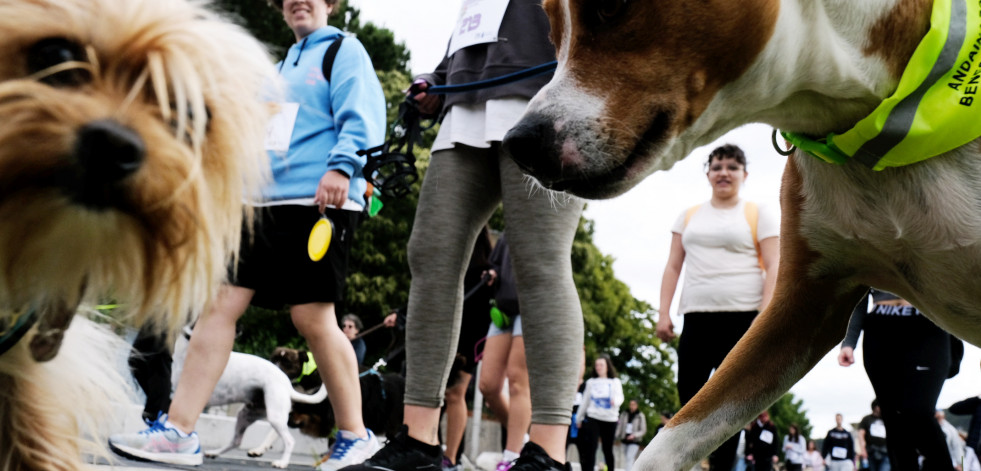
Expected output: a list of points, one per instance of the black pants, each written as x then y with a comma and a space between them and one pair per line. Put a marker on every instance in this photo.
151, 366
705, 341
907, 376
592, 431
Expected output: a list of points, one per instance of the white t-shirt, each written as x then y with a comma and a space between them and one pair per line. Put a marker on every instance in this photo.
601, 399
722, 267
479, 125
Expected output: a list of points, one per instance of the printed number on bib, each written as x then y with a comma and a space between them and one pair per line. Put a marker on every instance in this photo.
478, 23
279, 131
878, 429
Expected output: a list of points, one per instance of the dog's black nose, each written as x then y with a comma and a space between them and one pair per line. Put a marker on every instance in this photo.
528, 142
108, 151
531, 144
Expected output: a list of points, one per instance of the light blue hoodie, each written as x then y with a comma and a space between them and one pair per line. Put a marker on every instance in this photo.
334, 121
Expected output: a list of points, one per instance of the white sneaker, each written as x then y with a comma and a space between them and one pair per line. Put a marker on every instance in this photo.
159, 443
349, 449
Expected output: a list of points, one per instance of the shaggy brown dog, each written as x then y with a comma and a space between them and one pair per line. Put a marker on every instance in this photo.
131, 131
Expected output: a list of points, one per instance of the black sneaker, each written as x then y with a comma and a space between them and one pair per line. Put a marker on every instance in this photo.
403, 453
534, 458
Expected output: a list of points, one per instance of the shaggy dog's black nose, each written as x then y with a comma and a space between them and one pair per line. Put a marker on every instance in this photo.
109, 151
105, 153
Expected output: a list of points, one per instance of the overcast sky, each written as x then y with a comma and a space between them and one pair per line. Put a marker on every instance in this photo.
635, 228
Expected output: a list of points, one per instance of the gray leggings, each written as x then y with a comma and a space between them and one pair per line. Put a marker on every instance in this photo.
462, 188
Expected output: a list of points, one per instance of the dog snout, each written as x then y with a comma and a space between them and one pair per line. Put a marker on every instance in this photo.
531, 144
109, 151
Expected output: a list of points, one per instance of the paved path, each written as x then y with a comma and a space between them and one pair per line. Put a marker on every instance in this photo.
235, 460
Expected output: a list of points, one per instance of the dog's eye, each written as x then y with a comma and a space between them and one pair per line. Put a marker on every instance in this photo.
608, 10
50, 59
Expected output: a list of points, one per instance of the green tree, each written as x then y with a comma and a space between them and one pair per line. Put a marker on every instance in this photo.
266, 23
790, 410
622, 326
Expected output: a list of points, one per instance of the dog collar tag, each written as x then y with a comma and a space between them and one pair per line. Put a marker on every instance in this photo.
319, 240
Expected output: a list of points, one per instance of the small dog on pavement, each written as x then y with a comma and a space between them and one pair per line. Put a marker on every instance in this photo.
131, 131
264, 389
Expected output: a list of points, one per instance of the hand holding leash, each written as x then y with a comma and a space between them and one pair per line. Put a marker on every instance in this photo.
332, 190
428, 105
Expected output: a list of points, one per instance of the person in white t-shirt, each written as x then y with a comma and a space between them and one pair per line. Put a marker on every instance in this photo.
730, 249
599, 412
794, 449
813, 461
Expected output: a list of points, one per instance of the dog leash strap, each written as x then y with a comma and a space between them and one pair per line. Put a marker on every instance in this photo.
530, 72
476, 288
20, 323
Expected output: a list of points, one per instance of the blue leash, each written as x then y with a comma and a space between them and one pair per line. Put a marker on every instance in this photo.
537, 70
390, 169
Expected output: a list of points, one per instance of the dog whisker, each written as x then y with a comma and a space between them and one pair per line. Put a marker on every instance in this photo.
62, 67
138, 85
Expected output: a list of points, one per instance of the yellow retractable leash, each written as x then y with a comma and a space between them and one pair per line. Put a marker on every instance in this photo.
319, 241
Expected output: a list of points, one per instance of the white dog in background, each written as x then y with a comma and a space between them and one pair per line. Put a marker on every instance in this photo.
264, 389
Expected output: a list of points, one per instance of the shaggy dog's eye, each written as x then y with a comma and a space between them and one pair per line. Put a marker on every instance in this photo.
52, 59
608, 10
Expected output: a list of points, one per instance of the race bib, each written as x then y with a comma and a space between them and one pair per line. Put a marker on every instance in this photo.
766, 436
629, 430
279, 131
839, 452
478, 23
877, 429
603, 402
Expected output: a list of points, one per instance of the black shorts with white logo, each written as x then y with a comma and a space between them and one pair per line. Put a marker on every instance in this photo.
275, 263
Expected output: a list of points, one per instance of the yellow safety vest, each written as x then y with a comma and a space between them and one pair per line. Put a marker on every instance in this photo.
936, 106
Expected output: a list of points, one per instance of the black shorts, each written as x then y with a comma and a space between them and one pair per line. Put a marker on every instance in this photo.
275, 263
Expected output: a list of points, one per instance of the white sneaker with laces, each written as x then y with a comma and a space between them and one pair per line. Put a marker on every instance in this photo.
159, 443
349, 449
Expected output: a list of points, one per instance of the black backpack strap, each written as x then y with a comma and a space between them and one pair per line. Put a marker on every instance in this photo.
329, 56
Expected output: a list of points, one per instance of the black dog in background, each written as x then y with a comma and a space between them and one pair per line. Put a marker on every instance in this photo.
381, 397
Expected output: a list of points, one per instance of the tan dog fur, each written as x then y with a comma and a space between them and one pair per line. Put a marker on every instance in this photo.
170, 75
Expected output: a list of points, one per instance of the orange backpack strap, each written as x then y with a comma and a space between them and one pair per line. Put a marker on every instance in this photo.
753, 218
688, 214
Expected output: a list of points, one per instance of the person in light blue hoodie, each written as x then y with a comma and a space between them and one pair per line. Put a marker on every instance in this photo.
316, 173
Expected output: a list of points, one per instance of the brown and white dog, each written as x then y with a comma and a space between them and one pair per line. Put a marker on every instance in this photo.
131, 130
641, 83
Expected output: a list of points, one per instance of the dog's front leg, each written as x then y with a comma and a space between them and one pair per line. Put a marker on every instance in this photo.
806, 318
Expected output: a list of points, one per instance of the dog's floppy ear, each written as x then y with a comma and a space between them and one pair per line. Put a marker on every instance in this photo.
278, 352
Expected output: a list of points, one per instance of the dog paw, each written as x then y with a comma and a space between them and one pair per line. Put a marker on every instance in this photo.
256, 452
281, 464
